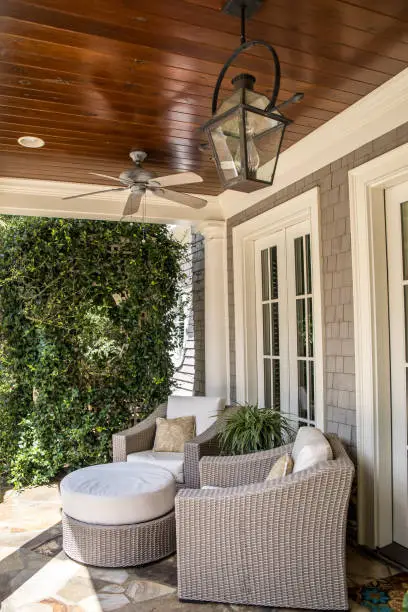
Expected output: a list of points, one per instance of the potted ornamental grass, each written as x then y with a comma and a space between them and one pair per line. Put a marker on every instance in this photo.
247, 429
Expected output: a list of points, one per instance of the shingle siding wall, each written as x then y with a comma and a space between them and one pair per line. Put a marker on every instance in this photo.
337, 281
189, 379
198, 278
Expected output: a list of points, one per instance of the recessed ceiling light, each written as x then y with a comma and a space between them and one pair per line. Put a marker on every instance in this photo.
31, 142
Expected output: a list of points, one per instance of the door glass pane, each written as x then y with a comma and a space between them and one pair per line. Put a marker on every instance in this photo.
308, 265
404, 225
275, 328
266, 329
311, 391
301, 328
406, 389
299, 266
406, 320
310, 327
274, 272
270, 342
265, 275
276, 383
267, 383
302, 389
304, 329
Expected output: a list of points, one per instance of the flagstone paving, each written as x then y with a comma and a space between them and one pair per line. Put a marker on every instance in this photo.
37, 576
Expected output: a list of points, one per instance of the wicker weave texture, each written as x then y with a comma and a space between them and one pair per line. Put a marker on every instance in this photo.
204, 444
119, 545
137, 438
141, 438
232, 471
276, 543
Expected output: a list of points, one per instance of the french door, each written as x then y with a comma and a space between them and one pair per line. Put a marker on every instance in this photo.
396, 206
284, 317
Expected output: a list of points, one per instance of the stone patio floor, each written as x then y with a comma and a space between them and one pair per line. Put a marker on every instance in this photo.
36, 575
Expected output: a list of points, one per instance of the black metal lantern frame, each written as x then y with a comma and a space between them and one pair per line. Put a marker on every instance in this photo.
241, 176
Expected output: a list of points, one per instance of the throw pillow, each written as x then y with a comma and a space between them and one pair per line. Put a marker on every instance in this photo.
311, 447
171, 434
310, 436
282, 467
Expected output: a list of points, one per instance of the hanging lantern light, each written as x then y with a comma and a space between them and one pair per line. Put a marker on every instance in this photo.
246, 131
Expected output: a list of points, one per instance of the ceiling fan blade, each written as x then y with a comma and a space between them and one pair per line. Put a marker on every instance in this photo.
133, 203
111, 178
182, 178
83, 195
182, 198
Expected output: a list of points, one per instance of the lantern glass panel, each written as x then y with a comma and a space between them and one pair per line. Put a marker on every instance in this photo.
225, 136
263, 136
234, 100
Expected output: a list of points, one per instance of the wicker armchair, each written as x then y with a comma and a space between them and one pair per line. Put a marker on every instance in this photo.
277, 543
141, 438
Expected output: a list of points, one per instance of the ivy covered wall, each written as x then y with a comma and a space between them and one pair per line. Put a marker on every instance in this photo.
87, 330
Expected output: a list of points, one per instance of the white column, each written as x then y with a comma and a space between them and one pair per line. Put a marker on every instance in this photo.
216, 371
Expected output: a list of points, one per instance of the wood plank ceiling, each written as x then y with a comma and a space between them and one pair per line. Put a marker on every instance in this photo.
96, 78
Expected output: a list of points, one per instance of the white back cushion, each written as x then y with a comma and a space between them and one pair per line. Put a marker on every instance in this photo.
205, 409
310, 447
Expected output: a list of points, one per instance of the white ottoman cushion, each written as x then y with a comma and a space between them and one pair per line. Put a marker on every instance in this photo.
118, 494
174, 462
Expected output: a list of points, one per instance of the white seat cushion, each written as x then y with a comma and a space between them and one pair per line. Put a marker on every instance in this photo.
174, 462
118, 494
205, 409
310, 447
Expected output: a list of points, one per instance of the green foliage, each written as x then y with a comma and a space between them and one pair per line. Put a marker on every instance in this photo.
87, 330
249, 429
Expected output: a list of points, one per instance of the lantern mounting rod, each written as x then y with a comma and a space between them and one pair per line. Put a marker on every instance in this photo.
243, 12
234, 7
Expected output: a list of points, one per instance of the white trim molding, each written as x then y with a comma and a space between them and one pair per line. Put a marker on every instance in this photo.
44, 198
301, 208
367, 184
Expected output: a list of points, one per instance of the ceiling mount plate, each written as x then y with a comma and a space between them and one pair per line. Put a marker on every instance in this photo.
234, 7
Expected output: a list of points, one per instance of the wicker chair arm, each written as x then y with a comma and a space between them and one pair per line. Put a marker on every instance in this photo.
140, 437
232, 471
204, 444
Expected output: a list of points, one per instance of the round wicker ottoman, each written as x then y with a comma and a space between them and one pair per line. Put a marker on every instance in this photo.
118, 515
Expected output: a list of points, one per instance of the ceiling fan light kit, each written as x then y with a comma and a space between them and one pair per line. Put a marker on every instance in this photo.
246, 131
141, 181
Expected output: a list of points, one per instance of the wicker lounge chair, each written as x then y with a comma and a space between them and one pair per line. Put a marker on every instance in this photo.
140, 438
277, 543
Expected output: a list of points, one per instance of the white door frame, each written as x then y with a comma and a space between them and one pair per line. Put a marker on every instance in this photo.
397, 327
301, 208
367, 184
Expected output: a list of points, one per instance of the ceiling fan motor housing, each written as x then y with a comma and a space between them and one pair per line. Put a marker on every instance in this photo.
136, 175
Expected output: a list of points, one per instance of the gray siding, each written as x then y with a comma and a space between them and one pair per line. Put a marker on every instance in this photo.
189, 379
198, 262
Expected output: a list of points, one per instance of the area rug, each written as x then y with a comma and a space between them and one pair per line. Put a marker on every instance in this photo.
383, 595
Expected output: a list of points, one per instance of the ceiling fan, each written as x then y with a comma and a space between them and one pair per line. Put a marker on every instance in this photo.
140, 181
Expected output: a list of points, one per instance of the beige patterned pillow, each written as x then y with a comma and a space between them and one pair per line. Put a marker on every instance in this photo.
172, 433
282, 467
